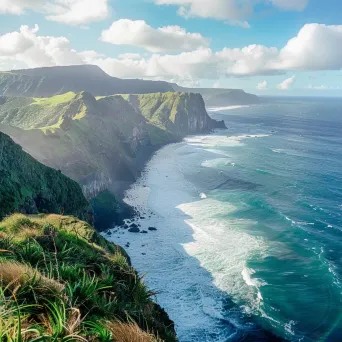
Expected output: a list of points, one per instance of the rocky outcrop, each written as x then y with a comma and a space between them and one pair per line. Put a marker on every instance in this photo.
177, 113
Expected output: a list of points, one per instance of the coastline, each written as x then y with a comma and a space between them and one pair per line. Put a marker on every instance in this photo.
170, 239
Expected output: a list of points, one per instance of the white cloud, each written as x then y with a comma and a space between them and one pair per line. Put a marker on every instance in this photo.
316, 47
72, 12
164, 39
290, 5
77, 12
16, 42
26, 49
235, 12
287, 84
262, 85
250, 60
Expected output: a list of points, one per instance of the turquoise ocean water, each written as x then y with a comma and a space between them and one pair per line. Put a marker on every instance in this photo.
290, 184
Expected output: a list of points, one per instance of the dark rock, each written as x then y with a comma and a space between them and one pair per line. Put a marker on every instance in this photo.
109, 233
142, 218
152, 228
134, 230
143, 253
143, 232
133, 225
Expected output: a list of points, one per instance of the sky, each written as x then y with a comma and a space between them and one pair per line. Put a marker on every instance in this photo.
267, 47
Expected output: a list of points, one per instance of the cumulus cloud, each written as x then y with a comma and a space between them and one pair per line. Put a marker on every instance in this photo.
287, 84
163, 39
17, 42
262, 85
316, 47
72, 12
27, 49
234, 12
77, 12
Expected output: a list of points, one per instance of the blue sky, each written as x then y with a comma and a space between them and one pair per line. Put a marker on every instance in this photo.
196, 50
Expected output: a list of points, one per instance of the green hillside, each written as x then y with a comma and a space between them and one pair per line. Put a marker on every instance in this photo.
28, 186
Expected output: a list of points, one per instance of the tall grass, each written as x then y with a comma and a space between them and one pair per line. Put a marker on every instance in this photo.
66, 283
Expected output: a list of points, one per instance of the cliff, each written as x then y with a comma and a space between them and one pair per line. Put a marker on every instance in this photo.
102, 142
28, 186
177, 113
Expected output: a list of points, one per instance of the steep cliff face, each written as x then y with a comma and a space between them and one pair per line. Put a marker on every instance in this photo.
30, 187
177, 113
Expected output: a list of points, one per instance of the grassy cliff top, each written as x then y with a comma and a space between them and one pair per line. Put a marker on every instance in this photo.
61, 281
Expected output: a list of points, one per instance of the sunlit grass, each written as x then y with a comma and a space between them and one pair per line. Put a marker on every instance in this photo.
61, 281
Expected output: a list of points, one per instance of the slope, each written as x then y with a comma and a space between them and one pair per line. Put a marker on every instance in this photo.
61, 281
28, 186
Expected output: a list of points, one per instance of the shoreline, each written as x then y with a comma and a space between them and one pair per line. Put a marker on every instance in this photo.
170, 237
119, 188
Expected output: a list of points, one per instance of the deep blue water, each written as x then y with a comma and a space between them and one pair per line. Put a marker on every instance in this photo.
296, 204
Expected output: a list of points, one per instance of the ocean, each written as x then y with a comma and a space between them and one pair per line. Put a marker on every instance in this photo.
249, 225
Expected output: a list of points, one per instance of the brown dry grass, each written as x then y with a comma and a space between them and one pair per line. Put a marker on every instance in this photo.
130, 332
14, 275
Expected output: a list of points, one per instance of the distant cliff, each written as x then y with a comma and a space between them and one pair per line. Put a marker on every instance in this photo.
50, 81
28, 186
45, 82
219, 97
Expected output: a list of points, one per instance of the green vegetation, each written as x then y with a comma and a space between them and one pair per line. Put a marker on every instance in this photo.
28, 186
55, 100
61, 281
101, 143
